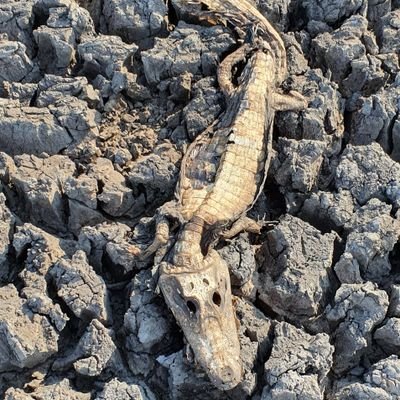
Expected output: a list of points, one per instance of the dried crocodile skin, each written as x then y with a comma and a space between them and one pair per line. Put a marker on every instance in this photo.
234, 158
221, 175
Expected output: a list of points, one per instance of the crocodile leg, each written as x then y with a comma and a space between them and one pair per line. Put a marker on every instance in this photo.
169, 211
292, 101
226, 67
243, 224
160, 238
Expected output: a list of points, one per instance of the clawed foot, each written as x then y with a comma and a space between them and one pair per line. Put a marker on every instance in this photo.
292, 101
167, 212
246, 224
160, 239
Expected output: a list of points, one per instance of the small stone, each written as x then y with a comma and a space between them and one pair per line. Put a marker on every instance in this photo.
388, 31
371, 235
38, 185
239, 255
203, 108
381, 381
115, 198
56, 49
180, 88
16, 21
337, 51
331, 12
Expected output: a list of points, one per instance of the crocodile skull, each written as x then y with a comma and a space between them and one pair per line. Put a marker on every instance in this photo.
201, 302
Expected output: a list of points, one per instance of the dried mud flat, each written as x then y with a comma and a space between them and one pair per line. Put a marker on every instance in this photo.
98, 102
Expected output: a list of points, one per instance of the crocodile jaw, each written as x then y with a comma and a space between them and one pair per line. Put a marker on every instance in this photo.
201, 302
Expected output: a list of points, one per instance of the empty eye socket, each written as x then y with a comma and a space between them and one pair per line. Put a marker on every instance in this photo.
191, 306
216, 298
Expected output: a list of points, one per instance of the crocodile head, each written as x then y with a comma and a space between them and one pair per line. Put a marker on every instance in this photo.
201, 301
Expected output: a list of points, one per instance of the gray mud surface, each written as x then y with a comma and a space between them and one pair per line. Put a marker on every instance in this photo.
99, 100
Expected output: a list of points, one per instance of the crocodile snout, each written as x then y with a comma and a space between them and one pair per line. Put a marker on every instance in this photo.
228, 376
201, 302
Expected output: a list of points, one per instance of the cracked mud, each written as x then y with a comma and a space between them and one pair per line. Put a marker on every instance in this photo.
99, 101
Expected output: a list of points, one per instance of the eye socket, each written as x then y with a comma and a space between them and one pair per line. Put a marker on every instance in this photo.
216, 299
191, 306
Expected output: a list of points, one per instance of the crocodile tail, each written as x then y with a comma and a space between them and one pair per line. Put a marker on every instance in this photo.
241, 13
